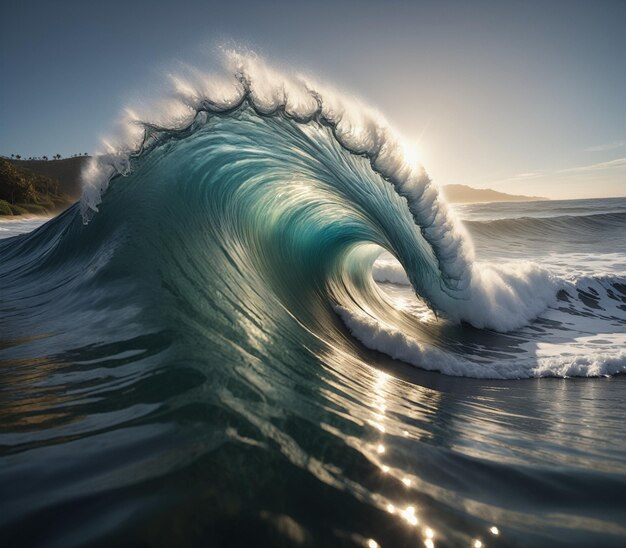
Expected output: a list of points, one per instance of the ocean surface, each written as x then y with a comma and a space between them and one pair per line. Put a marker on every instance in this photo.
262, 326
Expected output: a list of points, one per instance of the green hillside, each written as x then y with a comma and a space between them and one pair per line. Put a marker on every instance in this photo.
25, 192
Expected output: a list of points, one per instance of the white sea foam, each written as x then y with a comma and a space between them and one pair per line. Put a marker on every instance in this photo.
580, 356
583, 334
506, 297
388, 270
501, 297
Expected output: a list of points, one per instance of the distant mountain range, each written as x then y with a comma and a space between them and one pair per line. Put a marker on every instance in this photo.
463, 194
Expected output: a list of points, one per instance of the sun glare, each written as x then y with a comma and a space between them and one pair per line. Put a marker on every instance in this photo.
412, 154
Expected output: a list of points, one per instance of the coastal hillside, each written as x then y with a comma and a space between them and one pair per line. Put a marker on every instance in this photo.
23, 191
463, 194
66, 172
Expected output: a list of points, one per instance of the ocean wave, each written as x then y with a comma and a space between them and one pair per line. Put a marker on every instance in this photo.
435, 250
258, 203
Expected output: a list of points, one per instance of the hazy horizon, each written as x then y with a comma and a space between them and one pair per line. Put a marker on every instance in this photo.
520, 98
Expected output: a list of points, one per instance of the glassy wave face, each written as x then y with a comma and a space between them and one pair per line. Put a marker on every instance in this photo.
227, 340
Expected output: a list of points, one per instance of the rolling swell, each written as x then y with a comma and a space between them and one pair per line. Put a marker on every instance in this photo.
580, 229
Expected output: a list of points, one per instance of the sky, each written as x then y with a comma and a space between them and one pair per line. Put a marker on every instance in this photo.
527, 97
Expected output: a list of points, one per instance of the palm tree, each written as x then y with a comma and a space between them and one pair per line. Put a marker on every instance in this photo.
17, 156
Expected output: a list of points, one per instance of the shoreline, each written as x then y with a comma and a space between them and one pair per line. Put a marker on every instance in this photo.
28, 217
39, 188
34, 216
